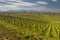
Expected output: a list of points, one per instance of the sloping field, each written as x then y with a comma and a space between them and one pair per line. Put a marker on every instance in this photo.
29, 26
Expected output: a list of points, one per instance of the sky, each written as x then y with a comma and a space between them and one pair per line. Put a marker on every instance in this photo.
38, 5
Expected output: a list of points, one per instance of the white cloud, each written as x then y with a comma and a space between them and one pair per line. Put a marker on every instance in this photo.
18, 2
54, 0
21, 3
42, 2
13, 5
2, 0
8, 0
8, 7
12, 0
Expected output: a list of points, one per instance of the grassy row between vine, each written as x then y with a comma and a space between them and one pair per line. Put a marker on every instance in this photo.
28, 29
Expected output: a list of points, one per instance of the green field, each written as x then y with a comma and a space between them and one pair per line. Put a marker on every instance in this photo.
29, 26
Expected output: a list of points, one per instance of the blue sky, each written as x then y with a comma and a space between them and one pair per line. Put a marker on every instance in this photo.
39, 5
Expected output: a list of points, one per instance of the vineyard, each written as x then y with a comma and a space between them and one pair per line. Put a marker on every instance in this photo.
29, 26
